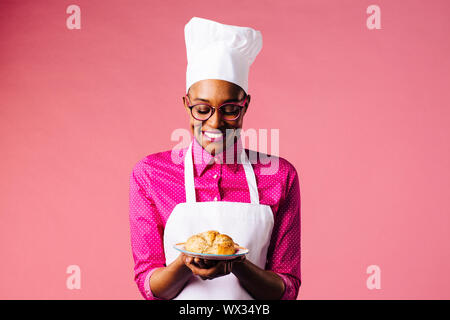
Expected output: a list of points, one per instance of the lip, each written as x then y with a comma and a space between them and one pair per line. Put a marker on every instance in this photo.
213, 136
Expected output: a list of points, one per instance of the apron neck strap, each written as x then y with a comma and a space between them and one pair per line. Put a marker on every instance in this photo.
189, 176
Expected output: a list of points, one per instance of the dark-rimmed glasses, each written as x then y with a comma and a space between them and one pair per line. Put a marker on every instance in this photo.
229, 110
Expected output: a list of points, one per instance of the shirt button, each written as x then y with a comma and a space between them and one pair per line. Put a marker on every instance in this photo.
215, 176
215, 198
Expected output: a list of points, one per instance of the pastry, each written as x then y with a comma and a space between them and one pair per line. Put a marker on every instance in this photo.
211, 242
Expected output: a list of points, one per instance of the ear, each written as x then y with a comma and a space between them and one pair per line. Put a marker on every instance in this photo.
247, 103
188, 111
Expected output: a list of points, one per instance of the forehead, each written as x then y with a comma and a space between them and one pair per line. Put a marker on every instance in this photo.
214, 88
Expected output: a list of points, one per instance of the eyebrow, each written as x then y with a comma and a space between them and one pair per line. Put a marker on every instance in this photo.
206, 100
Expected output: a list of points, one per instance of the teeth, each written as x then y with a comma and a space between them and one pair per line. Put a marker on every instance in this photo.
213, 135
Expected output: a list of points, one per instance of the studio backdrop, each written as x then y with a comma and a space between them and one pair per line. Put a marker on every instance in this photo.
357, 92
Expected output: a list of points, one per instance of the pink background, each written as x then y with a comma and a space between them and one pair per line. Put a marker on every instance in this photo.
363, 115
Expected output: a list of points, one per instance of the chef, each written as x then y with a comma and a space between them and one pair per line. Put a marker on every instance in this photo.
216, 187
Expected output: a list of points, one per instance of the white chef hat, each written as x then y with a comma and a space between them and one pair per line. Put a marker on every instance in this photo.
220, 51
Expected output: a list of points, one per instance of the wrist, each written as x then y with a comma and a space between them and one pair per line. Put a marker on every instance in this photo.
239, 265
180, 264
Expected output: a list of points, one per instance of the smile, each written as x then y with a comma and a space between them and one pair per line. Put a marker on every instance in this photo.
213, 136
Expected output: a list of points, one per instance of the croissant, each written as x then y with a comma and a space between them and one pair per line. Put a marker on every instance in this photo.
211, 242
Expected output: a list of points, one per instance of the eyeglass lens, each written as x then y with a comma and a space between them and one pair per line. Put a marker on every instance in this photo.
228, 111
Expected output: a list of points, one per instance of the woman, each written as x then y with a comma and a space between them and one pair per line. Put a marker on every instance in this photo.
216, 188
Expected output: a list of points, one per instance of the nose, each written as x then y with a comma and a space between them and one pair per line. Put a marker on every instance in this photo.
215, 121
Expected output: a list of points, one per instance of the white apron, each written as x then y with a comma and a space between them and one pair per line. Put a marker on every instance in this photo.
249, 224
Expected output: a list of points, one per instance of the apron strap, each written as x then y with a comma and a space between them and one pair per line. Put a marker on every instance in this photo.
189, 185
189, 176
251, 179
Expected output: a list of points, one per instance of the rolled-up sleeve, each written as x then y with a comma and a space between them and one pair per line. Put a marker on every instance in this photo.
146, 230
284, 251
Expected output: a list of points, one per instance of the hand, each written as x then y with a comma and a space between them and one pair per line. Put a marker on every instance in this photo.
210, 269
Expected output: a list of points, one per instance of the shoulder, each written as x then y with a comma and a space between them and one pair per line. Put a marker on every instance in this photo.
155, 164
277, 166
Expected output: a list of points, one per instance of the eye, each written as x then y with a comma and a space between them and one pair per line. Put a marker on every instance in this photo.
202, 109
230, 109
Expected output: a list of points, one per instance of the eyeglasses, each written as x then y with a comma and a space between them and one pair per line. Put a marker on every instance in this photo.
203, 111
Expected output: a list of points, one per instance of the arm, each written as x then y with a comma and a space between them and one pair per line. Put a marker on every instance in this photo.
154, 279
281, 277
167, 282
146, 230
284, 253
261, 284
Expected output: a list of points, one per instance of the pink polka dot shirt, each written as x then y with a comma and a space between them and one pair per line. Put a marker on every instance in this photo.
157, 186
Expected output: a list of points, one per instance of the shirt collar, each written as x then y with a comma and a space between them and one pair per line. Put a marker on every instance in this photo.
203, 159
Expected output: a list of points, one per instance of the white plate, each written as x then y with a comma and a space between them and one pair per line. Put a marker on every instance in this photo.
240, 252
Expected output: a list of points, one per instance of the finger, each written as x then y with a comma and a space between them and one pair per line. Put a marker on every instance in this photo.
188, 260
228, 270
206, 263
195, 268
199, 262
210, 263
238, 259
198, 271
219, 269
210, 273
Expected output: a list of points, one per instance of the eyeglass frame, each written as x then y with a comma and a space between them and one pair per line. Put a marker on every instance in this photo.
241, 105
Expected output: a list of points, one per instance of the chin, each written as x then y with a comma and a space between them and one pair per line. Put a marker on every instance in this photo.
213, 147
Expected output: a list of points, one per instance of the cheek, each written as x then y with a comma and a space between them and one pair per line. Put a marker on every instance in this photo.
238, 125
195, 125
